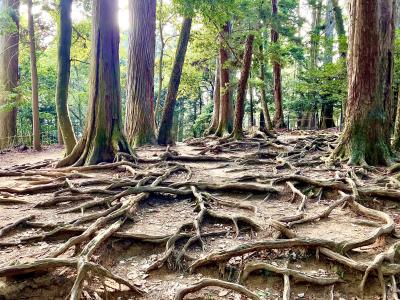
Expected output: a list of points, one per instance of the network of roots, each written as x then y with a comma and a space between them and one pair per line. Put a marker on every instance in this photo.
263, 218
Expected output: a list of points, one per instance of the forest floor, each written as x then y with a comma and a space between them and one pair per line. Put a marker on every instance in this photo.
264, 218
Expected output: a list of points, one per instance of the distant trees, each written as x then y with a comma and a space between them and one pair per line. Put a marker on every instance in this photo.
9, 52
63, 75
366, 136
103, 138
139, 121
34, 80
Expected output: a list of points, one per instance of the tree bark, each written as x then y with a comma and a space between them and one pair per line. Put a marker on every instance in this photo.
63, 75
102, 138
165, 135
139, 121
216, 98
241, 91
278, 117
34, 78
366, 136
225, 110
9, 45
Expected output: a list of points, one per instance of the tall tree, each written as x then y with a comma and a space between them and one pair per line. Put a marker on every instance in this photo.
103, 137
366, 136
327, 105
139, 121
226, 106
278, 117
63, 74
165, 135
161, 65
216, 98
340, 30
241, 91
34, 78
9, 45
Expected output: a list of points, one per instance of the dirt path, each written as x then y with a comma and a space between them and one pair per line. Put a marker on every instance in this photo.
193, 217
15, 157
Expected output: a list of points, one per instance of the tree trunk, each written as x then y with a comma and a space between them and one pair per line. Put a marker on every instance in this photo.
366, 136
64, 66
327, 105
139, 121
9, 42
216, 97
340, 30
241, 91
278, 117
264, 104
225, 109
34, 78
102, 138
251, 106
164, 134
161, 66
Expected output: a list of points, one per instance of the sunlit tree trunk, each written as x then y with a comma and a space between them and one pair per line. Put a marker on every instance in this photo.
278, 117
34, 79
225, 109
396, 139
161, 66
241, 91
64, 66
9, 42
139, 121
216, 98
102, 138
366, 136
165, 134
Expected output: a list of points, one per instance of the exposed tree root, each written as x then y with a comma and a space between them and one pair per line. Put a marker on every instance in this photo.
180, 295
10, 227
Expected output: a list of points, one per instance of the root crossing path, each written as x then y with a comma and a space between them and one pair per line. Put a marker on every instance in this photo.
261, 218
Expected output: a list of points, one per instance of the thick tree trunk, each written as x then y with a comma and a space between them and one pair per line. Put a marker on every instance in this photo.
64, 66
165, 135
139, 121
278, 117
366, 136
225, 110
34, 78
9, 42
264, 104
327, 105
241, 91
102, 138
216, 98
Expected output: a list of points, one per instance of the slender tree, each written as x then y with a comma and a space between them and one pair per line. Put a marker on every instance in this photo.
396, 138
34, 79
225, 109
165, 135
9, 45
216, 98
366, 136
327, 105
264, 104
139, 121
278, 117
64, 66
340, 30
241, 91
161, 65
102, 138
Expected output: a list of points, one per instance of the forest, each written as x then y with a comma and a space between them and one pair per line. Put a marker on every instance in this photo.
200, 149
